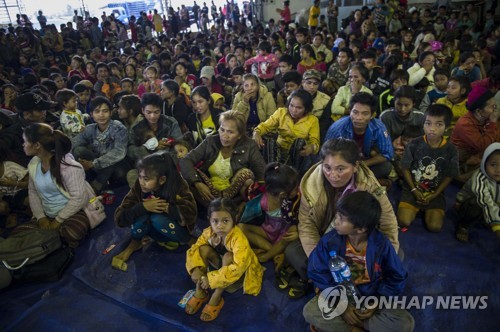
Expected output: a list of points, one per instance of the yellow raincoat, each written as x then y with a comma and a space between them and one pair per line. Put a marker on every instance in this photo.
244, 262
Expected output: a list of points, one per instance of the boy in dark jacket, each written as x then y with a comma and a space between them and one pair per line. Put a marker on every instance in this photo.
376, 269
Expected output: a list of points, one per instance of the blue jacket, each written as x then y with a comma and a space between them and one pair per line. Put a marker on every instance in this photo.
386, 272
473, 75
376, 135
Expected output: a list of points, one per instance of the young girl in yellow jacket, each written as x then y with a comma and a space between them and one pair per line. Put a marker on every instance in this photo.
218, 259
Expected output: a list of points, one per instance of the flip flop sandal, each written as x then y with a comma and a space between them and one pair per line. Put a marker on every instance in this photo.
283, 277
195, 304
169, 245
212, 311
298, 288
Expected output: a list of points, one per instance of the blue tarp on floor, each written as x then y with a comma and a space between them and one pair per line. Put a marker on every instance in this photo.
93, 296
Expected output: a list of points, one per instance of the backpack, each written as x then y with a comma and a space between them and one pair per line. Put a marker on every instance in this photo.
51, 268
28, 247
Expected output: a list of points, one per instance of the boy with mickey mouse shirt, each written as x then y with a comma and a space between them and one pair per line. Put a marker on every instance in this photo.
429, 164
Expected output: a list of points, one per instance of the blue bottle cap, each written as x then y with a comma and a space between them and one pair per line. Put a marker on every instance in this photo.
333, 253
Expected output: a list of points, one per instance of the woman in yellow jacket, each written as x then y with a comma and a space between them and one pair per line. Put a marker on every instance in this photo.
255, 102
293, 124
224, 247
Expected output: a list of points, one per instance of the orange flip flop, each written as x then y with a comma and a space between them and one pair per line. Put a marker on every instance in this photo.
195, 304
212, 311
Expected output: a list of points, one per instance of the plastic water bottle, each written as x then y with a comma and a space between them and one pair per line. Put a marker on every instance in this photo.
338, 267
342, 275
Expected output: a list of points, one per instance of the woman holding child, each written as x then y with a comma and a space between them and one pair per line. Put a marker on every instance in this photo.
339, 172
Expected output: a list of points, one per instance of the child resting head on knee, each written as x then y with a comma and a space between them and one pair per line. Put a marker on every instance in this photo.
218, 259
280, 208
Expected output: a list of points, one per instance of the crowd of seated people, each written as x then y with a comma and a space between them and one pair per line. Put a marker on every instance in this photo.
270, 130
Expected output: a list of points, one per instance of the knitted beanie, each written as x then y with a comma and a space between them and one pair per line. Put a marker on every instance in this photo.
478, 97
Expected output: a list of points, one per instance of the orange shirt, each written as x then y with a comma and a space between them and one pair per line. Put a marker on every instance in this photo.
357, 264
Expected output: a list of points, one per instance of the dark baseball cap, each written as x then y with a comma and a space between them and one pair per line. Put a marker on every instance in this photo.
30, 101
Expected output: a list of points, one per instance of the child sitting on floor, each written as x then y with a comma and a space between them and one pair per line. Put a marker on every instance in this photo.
398, 78
128, 85
456, 99
184, 88
151, 82
441, 77
399, 144
376, 270
219, 101
84, 93
159, 205
429, 164
72, 120
320, 63
280, 205
223, 247
479, 198
182, 148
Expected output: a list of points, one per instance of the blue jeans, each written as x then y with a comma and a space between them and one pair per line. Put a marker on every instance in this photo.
160, 227
117, 172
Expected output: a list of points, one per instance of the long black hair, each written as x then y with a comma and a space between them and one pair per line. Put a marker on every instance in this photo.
53, 141
280, 178
161, 164
223, 204
204, 93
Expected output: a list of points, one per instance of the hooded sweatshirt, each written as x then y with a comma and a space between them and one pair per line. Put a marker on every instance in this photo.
485, 189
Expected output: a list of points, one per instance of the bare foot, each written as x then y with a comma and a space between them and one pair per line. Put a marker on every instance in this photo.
258, 251
263, 257
278, 260
120, 261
